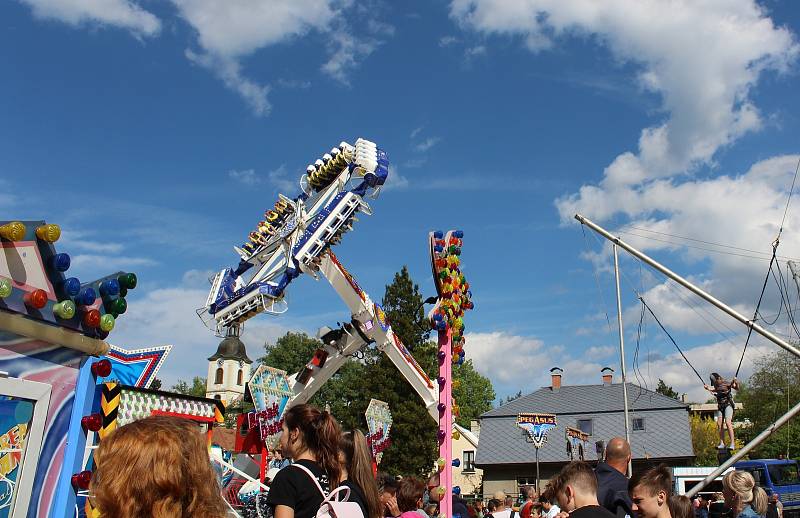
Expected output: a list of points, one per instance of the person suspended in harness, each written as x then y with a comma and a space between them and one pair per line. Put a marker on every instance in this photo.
723, 392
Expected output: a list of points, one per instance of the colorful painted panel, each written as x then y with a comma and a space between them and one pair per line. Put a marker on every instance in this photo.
15, 418
379, 423
137, 367
537, 426
57, 366
270, 391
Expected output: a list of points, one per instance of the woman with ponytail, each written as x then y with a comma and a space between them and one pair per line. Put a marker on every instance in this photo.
356, 462
311, 439
742, 496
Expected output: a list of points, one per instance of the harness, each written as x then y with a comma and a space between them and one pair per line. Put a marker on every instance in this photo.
724, 397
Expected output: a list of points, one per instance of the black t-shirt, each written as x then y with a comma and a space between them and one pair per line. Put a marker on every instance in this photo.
591, 511
293, 488
356, 495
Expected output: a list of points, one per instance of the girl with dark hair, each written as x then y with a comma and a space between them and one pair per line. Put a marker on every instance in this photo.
311, 439
357, 473
723, 391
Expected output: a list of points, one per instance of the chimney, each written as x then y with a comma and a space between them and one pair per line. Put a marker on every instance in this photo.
475, 427
608, 375
555, 376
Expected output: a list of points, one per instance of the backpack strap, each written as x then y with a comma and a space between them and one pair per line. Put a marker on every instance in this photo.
311, 475
325, 497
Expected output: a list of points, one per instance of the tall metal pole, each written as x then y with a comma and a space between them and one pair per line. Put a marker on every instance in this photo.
537, 471
622, 354
741, 453
689, 286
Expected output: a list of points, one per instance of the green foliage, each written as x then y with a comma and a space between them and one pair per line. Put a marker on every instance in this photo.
197, 388
768, 394
348, 392
511, 398
474, 393
705, 438
666, 390
155, 384
291, 352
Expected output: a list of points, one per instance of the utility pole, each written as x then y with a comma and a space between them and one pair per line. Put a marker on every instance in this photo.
622, 354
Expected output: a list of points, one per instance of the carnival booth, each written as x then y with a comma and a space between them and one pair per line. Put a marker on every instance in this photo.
62, 386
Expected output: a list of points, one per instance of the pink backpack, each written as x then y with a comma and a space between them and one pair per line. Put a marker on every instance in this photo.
331, 507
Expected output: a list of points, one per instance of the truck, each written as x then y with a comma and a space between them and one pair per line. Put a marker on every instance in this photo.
685, 478
777, 476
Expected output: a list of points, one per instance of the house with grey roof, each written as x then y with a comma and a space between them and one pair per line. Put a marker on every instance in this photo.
659, 431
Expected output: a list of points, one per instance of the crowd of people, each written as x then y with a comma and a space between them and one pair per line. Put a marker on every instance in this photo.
159, 467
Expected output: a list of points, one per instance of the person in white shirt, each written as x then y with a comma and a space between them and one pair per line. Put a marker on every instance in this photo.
549, 509
502, 511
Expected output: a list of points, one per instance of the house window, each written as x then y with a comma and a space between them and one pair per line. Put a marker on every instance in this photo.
218, 377
585, 425
469, 461
239, 377
638, 424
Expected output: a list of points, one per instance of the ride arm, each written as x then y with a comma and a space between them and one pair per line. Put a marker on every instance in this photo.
339, 345
376, 328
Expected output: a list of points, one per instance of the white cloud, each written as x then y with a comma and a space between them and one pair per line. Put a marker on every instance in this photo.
284, 180
346, 51
446, 41
516, 363
395, 180
232, 30
427, 144
110, 263
245, 176
476, 51
125, 14
167, 316
415, 132
702, 57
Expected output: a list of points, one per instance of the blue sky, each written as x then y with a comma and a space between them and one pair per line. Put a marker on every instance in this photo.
157, 132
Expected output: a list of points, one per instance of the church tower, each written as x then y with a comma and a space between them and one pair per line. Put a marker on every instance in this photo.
228, 369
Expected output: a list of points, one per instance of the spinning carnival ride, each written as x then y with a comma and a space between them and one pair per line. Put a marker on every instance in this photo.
296, 237
296, 233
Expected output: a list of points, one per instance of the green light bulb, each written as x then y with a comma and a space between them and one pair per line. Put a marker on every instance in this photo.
107, 322
5, 287
64, 309
127, 280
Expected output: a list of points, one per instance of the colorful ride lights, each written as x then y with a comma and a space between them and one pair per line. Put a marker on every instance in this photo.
36, 299
441, 434
5, 287
48, 233
107, 323
441, 407
101, 368
71, 287
60, 262
109, 288
82, 480
92, 422
127, 281
65, 309
456, 463
91, 318
116, 306
85, 297
13, 231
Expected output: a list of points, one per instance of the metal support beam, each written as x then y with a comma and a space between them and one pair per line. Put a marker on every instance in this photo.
689, 286
744, 451
622, 356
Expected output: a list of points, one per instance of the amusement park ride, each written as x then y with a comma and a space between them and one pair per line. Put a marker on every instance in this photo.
296, 237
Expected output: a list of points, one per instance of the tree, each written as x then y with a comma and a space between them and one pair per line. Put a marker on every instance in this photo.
291, 352
197, 388
769, 393
666, 390
373, 375
472, 392
705, 438
511, 398
155, 384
